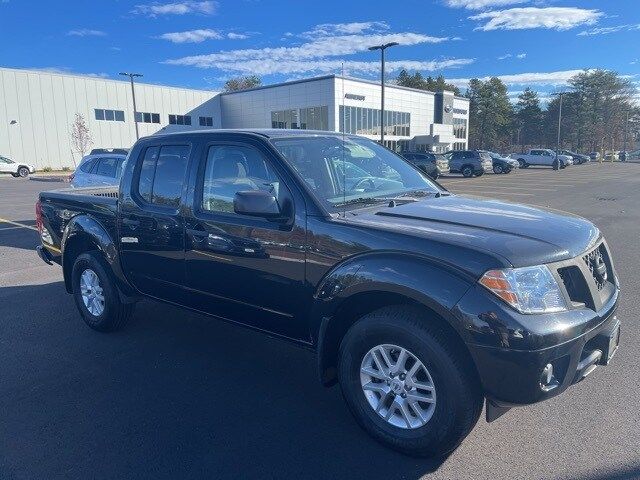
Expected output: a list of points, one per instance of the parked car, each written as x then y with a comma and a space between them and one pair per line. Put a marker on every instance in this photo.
419, 303
95, 170
120, 151
502, 164
543, 156
433, 164
611, 156
594, 156
578, 159
16, 169
470, 163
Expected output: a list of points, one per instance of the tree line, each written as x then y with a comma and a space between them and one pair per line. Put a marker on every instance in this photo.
599, 114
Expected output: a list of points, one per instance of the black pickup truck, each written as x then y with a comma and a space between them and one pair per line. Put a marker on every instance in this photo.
419, 303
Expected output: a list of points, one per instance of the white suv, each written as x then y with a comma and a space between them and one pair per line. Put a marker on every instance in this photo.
15, 169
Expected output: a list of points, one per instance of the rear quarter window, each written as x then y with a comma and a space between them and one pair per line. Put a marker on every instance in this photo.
162, 174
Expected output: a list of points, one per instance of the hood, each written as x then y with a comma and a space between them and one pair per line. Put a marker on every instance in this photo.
521, 234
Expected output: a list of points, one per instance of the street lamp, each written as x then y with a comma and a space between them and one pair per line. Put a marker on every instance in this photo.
559, 94
382, 48
133, 94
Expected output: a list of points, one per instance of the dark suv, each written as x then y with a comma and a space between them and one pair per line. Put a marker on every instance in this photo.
419, 303
433, 164
470, 163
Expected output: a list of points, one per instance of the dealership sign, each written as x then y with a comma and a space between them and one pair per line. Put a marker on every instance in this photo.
353, 96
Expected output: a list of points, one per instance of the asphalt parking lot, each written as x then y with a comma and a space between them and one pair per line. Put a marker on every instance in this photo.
178, 396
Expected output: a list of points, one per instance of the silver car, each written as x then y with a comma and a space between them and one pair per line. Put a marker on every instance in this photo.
98, 170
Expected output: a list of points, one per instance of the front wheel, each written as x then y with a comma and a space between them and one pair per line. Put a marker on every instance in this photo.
408, 383
467, 172
498, 169
23, 172
96, 294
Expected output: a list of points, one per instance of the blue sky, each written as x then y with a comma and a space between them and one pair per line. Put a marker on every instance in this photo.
199, 44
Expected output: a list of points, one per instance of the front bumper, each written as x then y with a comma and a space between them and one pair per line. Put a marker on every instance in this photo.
513, 371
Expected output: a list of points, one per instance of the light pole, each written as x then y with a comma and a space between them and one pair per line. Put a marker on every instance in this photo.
382, 48
560, 94
133, 95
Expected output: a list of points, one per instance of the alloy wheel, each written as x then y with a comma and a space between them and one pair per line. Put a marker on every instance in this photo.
398, 386
92, 293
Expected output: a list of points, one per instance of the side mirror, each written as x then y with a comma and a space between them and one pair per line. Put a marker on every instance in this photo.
256, 203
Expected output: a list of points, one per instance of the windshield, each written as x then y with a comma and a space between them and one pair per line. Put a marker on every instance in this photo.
351, 171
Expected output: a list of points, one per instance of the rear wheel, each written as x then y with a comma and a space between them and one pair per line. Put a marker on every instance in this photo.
96, 294
467, 171
23, 172
408, 383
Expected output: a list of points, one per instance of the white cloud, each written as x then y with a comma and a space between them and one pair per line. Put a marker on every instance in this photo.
289, 67
68, 71
481, 4
607, 30
519, 56
191, 36
556, 18
323, 51
319, 48
237, 36
176, 8
353, 28
532, 78
86, 32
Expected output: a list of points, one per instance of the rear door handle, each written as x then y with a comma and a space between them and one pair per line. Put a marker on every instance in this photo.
130, 222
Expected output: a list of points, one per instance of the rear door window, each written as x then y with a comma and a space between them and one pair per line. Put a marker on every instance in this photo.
107, 167
162, 174
87, 166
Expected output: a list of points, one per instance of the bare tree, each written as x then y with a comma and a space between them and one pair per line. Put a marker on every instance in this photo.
80, 137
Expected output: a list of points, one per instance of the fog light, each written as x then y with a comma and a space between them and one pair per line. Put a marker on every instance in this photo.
547, 380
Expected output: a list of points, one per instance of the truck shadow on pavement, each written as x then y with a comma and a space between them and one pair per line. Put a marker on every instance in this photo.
17, 237
173, 395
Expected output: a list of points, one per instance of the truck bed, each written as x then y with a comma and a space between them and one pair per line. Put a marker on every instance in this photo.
59, 207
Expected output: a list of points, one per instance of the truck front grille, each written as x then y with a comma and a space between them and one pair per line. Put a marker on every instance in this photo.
589, 280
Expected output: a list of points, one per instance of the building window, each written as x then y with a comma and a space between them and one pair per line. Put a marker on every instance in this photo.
366, 121
309, 118
109, 115
460, 146
206, 121
460, 127
179, 120
146, 117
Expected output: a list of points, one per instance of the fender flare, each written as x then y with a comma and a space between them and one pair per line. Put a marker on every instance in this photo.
87, 229
425, 281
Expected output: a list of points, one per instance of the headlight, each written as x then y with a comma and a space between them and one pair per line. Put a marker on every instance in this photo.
527, 289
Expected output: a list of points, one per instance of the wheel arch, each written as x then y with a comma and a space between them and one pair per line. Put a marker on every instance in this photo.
367, 284
85, 233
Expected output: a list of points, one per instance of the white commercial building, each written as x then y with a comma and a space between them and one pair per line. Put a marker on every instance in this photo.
37, 110
414, 119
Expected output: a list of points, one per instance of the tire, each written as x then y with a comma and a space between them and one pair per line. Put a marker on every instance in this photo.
114, 313
497, 169
522, 163
555, 165
467, 171
23, 172
457, 392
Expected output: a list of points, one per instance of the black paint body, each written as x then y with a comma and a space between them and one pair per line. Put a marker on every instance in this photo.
292, 279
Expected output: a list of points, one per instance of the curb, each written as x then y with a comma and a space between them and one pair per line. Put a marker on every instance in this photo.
58, 178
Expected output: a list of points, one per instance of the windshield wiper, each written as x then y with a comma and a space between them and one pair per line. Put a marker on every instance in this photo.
363, 200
